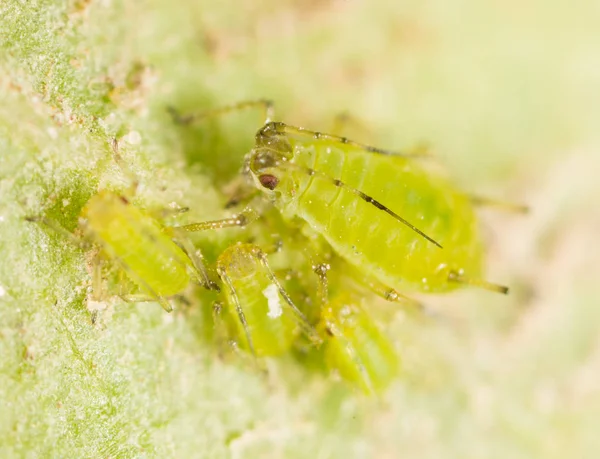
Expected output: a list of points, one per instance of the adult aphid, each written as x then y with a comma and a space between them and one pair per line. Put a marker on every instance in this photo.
404, 227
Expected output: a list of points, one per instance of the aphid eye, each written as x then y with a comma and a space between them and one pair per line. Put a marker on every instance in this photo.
123, 199
268, 181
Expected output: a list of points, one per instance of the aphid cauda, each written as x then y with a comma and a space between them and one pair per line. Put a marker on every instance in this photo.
402, 226
137, 243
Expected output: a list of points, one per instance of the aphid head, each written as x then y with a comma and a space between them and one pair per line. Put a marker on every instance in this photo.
266, 160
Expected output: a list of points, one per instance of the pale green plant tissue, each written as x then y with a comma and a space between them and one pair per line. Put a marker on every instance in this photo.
507, 95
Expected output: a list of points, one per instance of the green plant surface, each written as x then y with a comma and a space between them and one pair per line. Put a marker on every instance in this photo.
506, 93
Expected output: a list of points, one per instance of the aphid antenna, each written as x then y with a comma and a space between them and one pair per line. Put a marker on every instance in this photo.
365, 197
453, 276
301, 319
266, 105
278, 128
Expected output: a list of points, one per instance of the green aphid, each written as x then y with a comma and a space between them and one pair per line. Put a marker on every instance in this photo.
135, 241
260, 312
398, 223
403, 227
355, 347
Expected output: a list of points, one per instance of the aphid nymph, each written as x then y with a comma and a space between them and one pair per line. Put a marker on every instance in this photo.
139, 244
265, 318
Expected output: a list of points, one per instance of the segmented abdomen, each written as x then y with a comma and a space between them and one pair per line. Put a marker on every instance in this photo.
149, 257
373, 240
271, 327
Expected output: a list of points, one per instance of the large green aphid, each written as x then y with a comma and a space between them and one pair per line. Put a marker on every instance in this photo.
397, 222
264, 318
405, 228
135, 241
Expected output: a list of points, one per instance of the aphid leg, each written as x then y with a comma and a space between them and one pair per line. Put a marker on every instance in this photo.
224, 343
301, 319
125, 169
55, 226
328, 322
151, 295
99, 292
278, 128
502, 205
265, 104
221, 335
247, 216
241, 317
321, 270
460, 278
391, 295
200, 271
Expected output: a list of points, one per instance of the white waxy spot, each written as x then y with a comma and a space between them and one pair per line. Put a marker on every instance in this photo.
1, 218
271, 293
2, 291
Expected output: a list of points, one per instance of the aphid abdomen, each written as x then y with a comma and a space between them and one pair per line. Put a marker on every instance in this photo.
269, 324
356, 348
371, 239
150, 258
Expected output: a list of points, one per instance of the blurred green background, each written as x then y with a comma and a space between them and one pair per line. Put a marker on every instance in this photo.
508, 95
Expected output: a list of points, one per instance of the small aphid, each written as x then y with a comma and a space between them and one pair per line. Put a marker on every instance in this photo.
263, 316
137, 243
355, 347
353, 344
